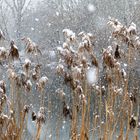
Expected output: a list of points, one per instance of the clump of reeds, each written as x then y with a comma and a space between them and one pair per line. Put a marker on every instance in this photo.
31, 47
13, 106
40, 120
40, 85
113, 96
13, 52
78, 56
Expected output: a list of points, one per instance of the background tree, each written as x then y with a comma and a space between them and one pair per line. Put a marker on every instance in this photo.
18, 8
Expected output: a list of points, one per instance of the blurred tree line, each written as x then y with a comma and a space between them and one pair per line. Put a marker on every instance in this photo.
44, 20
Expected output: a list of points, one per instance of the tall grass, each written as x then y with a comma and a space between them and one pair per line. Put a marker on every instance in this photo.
103, 98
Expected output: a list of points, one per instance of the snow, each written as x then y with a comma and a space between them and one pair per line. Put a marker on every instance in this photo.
100, 23
44, 24
91, 8
68, 33
132, 27
27, 61
50, 135
52, 54
43, 79
2, 49
49, 24
125, 65
36, 19
32, 29
92, 75
29, 83
124, 73
57, 13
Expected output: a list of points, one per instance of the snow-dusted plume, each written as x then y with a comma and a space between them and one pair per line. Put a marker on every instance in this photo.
27, 65
42, 83
132, 29
92, 75
3, 53
27, 61
68, 33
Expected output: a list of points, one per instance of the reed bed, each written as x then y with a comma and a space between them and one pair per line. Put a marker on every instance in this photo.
101, 100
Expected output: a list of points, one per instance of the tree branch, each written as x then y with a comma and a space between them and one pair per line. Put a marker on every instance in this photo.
4, 21
25, 8
8, 4
14, 3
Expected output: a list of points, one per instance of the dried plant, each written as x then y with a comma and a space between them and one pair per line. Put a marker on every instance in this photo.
66, 110
27, 66
40, 120
42, 83
2, 35
13, 108
31, 47
77, 58
97, 96
3, 53
3, 86
60, 69
36, 72
117, 54
34, 116
132, 122
13, 52
74, 67
28, 86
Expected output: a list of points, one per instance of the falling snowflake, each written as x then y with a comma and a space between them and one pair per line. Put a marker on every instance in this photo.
125, 65
49, 24
91, 8
57, 13
32, 29
50, 135
36, 19
92, 75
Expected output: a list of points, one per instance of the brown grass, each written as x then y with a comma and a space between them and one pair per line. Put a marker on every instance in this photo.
115, 108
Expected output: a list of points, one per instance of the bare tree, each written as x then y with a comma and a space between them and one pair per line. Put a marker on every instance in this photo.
4, 20
18, 8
